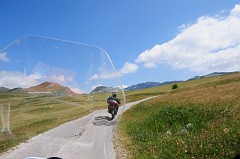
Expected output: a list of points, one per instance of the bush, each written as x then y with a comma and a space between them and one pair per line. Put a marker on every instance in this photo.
174, 86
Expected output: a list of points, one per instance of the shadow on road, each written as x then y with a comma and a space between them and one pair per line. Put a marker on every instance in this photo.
104, 120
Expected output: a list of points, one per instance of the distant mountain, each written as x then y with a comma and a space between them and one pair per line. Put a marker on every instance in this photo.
51, 87
4, 89
100, 89
148, 85
18, 90
211, 75
14, 90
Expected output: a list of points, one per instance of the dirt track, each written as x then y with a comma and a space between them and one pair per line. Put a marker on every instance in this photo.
89, 137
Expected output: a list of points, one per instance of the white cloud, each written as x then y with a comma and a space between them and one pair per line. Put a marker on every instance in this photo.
236, 10
3, 57
211, 44
123, 86
107, 74
13, 79
103, 75
43, 71
76, 90
128, 68
95, 86
58, 79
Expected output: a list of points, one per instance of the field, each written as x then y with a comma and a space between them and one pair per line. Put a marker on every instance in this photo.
200, 119
32, 114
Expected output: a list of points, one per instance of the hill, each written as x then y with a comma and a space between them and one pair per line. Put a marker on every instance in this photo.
211, 75
18, 90
4, 89
148, 85
101, 89
14, 90
200, 119
155, 84
51, 87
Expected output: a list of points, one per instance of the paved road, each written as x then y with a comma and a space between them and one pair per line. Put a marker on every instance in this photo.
89, 137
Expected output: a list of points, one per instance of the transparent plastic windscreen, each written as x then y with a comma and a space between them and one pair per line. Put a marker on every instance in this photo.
45, 82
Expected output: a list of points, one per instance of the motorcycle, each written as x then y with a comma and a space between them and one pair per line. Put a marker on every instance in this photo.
113, 106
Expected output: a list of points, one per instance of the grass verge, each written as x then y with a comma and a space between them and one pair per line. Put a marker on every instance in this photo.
198, 121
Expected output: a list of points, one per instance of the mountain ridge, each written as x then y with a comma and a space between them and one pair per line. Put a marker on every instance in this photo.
155, 84
211, 75
148, 85
52, 87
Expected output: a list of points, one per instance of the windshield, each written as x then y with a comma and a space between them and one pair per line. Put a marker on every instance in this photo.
46, 82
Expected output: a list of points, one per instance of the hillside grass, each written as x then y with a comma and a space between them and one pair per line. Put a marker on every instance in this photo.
200, 119
31, 115
135, 95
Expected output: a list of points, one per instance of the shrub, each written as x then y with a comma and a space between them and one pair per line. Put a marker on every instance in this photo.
174, 86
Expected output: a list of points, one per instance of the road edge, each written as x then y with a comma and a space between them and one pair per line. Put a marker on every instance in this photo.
120, 151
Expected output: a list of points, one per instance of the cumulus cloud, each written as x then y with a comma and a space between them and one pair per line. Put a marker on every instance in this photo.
123, 86
211, 44
128, 68
3, 57
106, 74
95, 86
14, 79
58, 79
76, 90
103, 75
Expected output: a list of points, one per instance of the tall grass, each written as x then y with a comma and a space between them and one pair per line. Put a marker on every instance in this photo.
31, 115
198, 121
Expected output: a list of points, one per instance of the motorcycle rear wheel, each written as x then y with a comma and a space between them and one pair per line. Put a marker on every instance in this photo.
113, 114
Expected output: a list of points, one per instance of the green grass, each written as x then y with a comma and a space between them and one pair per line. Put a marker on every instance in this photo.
154, 91
31, 115
198, 120
135, 95
154, 129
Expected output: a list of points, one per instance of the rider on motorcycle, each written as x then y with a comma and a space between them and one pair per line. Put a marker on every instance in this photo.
114, 97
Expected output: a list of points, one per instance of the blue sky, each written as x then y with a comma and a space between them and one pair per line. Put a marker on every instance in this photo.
148, 40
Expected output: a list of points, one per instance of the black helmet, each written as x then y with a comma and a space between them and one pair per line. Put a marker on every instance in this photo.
114, 94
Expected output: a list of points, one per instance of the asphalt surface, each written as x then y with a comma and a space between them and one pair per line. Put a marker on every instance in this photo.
89, 137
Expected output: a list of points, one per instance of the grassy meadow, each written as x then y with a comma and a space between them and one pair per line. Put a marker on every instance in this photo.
200, 119
31, 114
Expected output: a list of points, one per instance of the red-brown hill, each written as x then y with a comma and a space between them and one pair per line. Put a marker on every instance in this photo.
51, 87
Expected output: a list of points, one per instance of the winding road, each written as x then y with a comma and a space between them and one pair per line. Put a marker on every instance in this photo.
89, 137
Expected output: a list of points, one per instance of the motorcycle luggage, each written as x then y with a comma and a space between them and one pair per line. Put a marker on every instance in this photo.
112, 102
